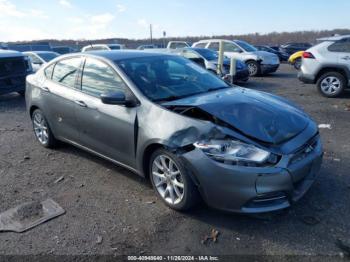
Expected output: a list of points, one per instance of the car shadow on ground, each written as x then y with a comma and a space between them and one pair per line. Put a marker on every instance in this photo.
118, 170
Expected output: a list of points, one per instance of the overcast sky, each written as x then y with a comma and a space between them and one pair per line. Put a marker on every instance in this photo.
91, 19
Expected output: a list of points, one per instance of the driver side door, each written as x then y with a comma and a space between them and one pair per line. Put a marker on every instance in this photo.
105, 129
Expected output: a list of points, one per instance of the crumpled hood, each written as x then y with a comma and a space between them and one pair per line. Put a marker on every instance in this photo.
265, 117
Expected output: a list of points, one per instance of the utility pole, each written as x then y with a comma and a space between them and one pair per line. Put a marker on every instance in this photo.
150, 31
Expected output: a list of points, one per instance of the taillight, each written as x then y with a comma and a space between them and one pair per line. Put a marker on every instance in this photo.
308, 55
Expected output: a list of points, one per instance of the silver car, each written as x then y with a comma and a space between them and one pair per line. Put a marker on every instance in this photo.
39, 58
170, 120
258, 62
328, 65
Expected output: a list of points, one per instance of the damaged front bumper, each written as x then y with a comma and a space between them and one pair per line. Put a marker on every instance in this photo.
255, 189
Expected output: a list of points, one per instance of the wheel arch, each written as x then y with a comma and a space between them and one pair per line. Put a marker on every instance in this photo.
339, 69
32, 109
147, 153
146, 157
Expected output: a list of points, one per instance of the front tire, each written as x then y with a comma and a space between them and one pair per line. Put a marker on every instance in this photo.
42, 130
253, 68
171, 181
331, 84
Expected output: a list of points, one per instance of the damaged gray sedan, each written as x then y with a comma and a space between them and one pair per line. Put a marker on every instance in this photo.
166, 118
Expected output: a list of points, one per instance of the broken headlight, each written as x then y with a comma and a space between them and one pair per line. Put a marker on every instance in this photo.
232, 150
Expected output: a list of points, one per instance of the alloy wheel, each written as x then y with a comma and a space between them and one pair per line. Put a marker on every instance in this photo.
168, 179
330, 85
252, 69
40, 128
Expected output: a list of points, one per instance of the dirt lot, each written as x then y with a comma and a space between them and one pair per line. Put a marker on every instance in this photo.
109, 210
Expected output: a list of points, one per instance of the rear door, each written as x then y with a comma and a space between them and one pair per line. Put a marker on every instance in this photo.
106, 129
59, 97
342, 50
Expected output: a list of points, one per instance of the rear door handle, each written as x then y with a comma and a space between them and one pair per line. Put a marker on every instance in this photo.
346, 58
80, 103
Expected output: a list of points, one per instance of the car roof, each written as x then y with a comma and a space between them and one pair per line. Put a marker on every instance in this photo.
116, 55
9, 53
333, 38
212, 40
40, 52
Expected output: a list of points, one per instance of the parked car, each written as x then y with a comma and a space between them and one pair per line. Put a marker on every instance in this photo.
39, 58
168, 119
96, 47
281, 55
63, 49
258, 62
275, 47
144, 47
328, 65
40, 46
177, 44
211, 62
295, 59
14, 67
291, 48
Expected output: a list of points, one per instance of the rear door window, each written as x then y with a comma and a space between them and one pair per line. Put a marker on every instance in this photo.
214, 46
231, 47
341, 46
201, 45
66, 71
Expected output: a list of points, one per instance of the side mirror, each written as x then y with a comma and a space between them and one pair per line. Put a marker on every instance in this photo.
117, 98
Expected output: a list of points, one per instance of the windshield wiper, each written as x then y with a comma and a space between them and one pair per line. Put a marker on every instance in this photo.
171, 98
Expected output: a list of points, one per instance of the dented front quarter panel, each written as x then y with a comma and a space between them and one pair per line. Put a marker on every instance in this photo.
157, 125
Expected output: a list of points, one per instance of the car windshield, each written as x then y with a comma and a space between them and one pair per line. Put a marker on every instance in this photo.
48, 56
208, 54
247, 47
268, 49
166, 78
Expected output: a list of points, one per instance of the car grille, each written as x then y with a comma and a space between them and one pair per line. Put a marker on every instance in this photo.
12, 66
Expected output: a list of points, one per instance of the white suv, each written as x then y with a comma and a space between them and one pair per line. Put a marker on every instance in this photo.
258, 62
328, 65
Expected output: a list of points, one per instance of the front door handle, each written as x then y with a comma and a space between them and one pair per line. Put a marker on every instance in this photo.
80, 103
346, 58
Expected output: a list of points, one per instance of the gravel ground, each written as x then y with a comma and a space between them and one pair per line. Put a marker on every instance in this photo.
110, 210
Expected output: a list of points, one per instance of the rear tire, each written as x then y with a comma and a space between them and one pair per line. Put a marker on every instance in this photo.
331, 84
253, 68
42, 130
171, 181
297, 63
